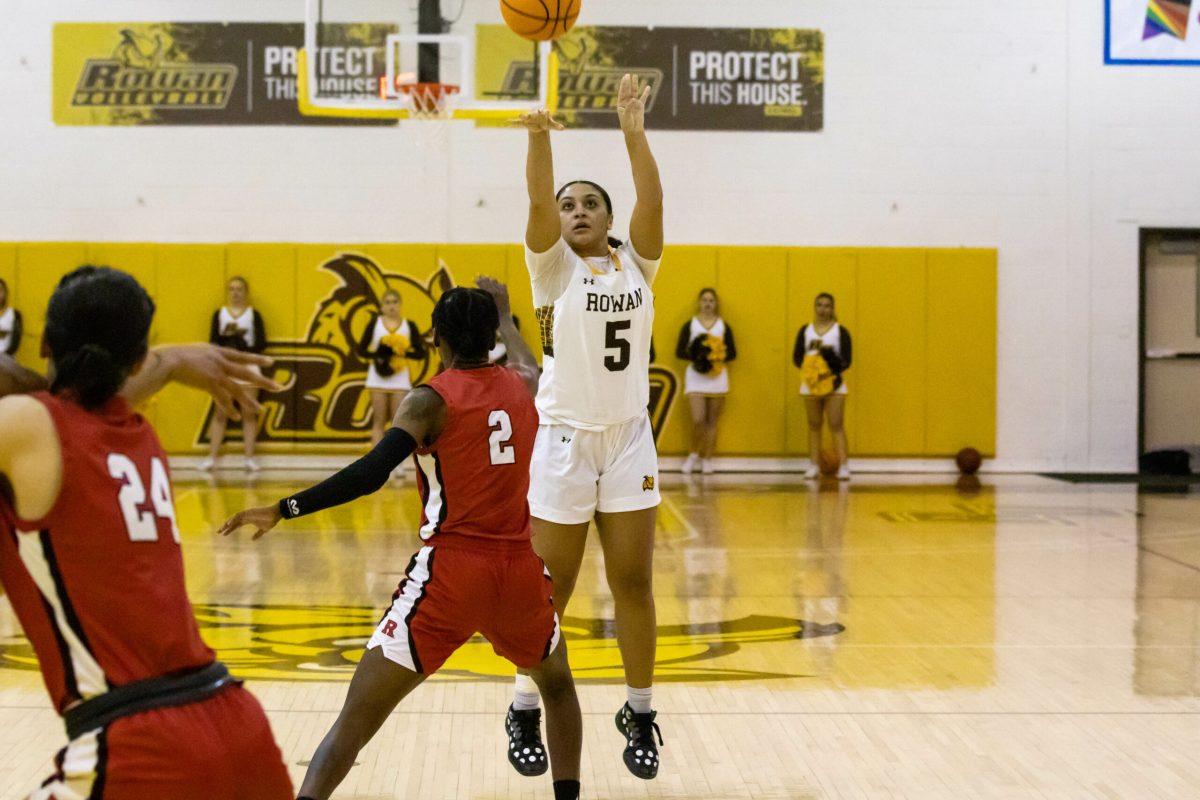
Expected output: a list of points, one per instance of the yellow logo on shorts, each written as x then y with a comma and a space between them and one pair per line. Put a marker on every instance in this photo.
647, 483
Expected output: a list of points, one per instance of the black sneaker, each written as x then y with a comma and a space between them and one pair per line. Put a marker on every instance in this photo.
526, 752
641, 754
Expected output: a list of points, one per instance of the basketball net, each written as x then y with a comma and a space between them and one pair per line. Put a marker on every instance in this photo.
432, 105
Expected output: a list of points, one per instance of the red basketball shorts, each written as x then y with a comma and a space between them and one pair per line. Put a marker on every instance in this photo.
217, 749
450, 592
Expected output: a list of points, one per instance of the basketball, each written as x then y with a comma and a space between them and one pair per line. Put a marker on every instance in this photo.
828, 463
540, 20
968, 460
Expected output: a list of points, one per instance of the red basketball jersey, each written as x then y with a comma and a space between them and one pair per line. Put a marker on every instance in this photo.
474, 481
98, 582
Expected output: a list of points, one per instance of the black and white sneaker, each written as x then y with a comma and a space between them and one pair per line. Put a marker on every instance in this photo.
526, 752
641, 753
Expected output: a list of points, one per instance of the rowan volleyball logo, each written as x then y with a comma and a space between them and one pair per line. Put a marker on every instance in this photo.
324, 398
322, 643
147, 71
588, 80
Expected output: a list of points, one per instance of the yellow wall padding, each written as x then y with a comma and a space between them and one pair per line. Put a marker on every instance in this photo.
923, 382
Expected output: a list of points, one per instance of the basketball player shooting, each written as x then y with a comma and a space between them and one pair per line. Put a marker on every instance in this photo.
472, 428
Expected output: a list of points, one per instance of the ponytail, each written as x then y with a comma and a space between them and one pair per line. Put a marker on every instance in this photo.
90, 373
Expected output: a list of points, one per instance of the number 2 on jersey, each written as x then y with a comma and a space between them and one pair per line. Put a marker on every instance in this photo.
143, 525
501, 451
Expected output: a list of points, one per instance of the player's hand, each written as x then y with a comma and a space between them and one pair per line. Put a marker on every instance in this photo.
230, 376
539, 121
263, 519
499, 293
631, 104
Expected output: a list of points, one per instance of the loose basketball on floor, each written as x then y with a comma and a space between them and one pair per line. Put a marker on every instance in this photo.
968, 460
540, 20
828, 463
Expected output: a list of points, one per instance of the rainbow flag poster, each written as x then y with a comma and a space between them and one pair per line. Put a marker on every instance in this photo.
1152, 32
1169, 17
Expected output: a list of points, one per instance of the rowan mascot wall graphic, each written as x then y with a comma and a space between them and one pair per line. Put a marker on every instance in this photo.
324, 401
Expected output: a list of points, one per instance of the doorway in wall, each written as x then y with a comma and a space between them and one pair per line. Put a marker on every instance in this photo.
1169, 364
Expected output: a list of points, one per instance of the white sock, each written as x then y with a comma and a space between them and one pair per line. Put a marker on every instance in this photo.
639, 699
526, 697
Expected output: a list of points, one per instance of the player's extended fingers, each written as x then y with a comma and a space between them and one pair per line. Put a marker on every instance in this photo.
645, 94
224, 401
259, 533
245, 398
624, 92
244, 357
251, 375
232, 524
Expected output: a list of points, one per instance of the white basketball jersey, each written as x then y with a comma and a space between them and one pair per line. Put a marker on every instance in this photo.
595, 318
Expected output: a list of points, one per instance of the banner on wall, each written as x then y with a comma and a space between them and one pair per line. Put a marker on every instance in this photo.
325, 400
1152, 32
202, 73
210, 73
701, 79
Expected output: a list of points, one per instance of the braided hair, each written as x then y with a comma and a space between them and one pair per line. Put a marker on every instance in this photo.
467, 320
97, 330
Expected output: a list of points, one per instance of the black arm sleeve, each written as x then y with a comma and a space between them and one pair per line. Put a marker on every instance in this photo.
260, 334
416, 347
363, 477
364, 341
730, 345
214, 330
846, 347
798, 350
684, 344
14, 343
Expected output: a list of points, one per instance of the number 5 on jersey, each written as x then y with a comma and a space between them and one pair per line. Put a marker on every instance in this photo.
501, 451
143, 525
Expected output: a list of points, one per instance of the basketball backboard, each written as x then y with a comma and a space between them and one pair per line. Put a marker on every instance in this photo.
391, 59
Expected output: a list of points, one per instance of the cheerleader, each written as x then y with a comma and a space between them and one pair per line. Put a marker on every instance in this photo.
595, 458
706, 343
11, 327
239, 326
823, 353
387, 343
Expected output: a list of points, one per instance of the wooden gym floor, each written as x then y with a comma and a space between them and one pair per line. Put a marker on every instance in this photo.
899, 638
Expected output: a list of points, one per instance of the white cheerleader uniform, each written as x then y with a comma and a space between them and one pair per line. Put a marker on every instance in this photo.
832, 338
8, 324
595, 446
244, 323
399, 381
705, 382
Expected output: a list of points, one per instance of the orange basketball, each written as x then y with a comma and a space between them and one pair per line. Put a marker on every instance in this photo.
827, 462
968, 461
540, 20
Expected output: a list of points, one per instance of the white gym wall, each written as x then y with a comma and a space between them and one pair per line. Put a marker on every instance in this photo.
980, 124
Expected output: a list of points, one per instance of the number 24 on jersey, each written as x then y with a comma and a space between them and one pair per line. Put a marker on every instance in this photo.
142, 525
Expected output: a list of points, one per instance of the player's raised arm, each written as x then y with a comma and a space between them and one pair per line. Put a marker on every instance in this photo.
520, 357
226, 374
646, 224
544, 227
16, 379
419, 421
